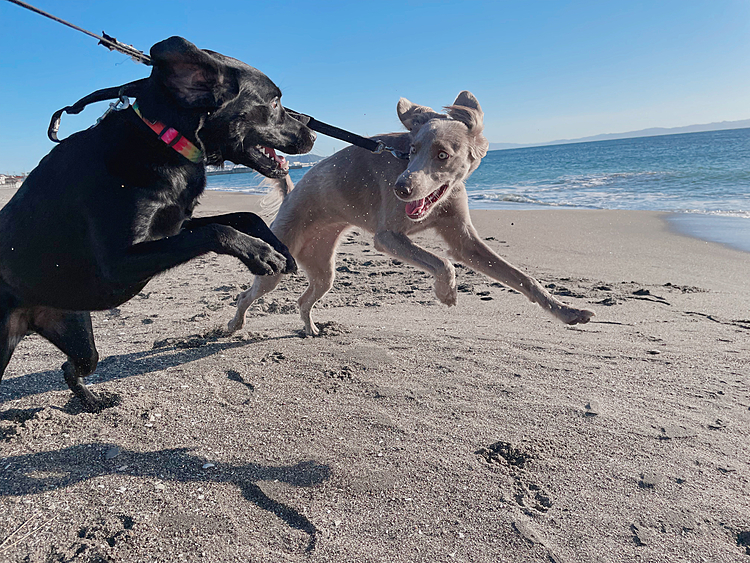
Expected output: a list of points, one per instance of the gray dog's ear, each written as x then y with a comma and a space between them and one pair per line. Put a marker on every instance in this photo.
194, 77
468, 100
467, 110
414, 116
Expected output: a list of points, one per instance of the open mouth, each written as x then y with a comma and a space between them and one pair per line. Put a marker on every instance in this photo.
270, 161
270, 154
417, 209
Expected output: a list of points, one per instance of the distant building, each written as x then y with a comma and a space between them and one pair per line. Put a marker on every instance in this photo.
11, 181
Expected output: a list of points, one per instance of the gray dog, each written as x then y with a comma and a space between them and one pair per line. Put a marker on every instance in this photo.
355, 187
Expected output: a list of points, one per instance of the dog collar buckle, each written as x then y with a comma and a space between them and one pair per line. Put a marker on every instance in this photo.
171, 137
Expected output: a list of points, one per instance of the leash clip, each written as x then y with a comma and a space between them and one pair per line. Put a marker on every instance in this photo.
119, 105
383, 148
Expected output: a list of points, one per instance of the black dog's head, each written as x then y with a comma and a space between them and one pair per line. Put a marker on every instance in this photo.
245, 120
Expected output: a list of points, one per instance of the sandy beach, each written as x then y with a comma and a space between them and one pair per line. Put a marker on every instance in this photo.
408, 431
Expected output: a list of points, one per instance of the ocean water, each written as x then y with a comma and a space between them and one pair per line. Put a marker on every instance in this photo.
702, 178
250, 183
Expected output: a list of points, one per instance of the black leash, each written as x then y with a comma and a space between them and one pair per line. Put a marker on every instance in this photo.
372, 145
119, 92
113, 44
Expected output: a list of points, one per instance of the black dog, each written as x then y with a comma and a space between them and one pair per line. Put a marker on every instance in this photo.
110, 207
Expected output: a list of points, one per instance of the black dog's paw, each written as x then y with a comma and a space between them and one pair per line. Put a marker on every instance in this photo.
290, 266
101, 401
291, 263
262, 260
257, 228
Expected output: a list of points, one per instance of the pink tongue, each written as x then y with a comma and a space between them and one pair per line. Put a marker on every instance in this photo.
414, 207
276, 157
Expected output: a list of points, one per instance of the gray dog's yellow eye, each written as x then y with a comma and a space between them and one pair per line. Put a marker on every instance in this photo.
442, 155
412, 149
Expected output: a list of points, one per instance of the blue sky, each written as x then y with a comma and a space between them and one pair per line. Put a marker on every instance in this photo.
542, 70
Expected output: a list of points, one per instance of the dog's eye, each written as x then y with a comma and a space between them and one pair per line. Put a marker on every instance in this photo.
442, 155
412, 149
275, 103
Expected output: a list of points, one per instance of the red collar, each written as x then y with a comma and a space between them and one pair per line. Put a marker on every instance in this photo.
172, 138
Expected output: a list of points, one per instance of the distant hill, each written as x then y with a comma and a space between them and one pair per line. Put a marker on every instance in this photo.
304, 158
652, 132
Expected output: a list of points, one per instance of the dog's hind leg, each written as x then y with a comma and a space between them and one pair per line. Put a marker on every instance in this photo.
13, 327
261, 286
317, 259
72, 333
468, 248
399, 245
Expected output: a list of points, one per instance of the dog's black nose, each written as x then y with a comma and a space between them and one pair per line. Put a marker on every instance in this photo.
313, 137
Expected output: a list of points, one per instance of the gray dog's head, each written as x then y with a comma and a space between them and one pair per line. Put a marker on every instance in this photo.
445, 150
245, 121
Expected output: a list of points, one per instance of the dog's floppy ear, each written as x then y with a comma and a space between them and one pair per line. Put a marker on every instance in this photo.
412, 115
467, 110
194, 77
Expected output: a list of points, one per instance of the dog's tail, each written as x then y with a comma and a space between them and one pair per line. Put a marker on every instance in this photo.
271, 202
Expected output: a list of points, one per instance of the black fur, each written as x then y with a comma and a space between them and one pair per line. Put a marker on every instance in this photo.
111, 207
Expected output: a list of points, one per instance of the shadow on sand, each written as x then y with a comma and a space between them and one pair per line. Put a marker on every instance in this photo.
76, 464
115, 367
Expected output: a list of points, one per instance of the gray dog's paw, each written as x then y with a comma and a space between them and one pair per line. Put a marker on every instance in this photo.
446, 292
574, 316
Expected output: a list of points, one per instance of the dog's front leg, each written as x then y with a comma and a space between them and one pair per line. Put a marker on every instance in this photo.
250, 224
401, 246
472, 251
144, 260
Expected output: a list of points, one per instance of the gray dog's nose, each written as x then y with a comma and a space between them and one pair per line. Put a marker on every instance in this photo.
402, 189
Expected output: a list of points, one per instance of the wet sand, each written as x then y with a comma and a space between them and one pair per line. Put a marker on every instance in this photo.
730, 231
